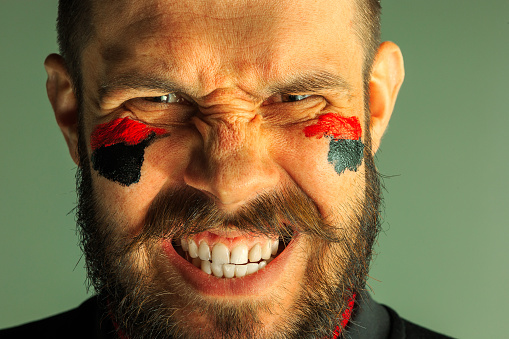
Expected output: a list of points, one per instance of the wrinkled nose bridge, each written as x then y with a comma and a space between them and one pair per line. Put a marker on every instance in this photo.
235, 165
229, 137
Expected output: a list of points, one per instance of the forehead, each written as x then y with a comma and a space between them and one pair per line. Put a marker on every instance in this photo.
207, 39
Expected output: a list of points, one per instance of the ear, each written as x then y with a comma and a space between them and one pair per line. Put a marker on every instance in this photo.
63, 100
386, 78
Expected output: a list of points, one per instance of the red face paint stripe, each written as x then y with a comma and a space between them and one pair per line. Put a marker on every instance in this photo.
334, 125
345, 317
124, 130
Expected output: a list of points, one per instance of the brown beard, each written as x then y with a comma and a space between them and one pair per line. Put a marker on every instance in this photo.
336, 270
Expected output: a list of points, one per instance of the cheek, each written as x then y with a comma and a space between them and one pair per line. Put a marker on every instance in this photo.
163, 165
345, 145
118, 149
325, 161
306, 164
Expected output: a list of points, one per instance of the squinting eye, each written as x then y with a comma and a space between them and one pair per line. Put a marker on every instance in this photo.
167, 99
171, 101
293, 98
285, 98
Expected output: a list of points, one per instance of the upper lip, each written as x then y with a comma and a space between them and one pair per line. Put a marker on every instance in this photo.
228, 232
230, 239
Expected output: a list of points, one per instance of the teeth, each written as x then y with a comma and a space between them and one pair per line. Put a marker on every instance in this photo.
193, 249
266, 250
274, 246
222, 263
217, 269
240, 270
229, 270
251, 268
239, 254
255, 254
204, 251
220, 254
205, 266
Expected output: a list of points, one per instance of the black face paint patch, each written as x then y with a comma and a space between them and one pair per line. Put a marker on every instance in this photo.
121, 162
345, 154
118, 149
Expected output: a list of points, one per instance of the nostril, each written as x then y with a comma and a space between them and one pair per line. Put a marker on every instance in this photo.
243, 182
232, 180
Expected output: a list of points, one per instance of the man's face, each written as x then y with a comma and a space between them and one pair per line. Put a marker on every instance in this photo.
228, 108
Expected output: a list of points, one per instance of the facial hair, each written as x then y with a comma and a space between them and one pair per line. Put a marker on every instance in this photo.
132, 293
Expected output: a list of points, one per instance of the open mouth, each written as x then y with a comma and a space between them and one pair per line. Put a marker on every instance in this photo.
230, 257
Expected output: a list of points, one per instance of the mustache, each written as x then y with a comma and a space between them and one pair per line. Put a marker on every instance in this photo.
183, 212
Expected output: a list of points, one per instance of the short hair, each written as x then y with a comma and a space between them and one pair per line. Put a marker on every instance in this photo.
367, 28
75, 29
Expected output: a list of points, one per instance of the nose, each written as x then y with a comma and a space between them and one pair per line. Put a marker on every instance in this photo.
233, 164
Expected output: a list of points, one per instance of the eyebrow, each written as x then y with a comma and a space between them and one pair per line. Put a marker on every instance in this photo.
304, 82
133, 81
312, 81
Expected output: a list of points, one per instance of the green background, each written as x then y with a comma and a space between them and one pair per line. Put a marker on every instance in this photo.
442, 260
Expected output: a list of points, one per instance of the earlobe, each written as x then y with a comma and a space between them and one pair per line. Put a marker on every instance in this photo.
386, 78
63, 100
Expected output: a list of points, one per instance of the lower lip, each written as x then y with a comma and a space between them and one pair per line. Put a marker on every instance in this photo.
253, 284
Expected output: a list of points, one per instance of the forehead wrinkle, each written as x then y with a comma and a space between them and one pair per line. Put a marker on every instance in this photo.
261, 56
229, 29
121, 47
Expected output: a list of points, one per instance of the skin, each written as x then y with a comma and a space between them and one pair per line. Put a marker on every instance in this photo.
232, 138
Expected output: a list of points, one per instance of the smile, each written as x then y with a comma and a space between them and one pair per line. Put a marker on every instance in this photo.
221, 264
222, 260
